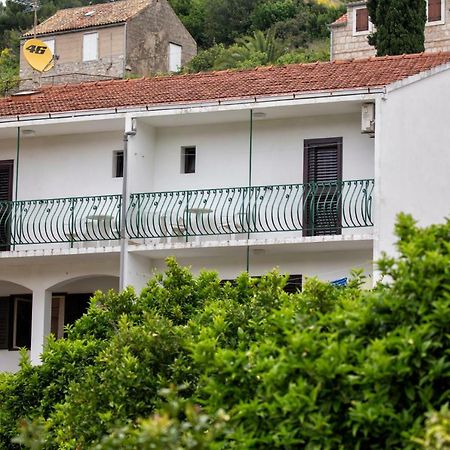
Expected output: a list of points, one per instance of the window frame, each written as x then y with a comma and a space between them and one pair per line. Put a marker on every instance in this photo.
184, 161
436, 22
370, 24
84, 58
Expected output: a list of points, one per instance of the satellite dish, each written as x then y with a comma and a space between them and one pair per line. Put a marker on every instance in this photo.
38, 55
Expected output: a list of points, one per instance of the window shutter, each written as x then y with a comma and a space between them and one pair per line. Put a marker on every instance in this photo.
4, 322
322, 189
362, 19
6, 171
174, 57
434, 10
90, 47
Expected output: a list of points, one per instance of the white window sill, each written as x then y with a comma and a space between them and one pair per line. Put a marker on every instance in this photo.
437, 22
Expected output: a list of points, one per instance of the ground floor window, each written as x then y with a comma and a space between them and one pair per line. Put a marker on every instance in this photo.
15, 322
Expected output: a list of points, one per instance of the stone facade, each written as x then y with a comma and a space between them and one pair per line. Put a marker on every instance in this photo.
347, 44
149, 35
137, 47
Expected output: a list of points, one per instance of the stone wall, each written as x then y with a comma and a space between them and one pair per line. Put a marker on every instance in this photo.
345, 45
148, 38
69, 65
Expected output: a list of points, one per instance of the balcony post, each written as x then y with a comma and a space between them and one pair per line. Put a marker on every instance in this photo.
40, 322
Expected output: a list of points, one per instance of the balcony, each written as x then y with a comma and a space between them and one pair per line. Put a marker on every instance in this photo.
322, 208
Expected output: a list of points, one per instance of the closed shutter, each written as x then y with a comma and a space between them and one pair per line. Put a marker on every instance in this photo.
174, 57
6, 174
322, 188
90, 47
5, 309
362, 19
434, 10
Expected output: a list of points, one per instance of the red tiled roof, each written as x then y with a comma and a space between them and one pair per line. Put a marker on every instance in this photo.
90, 16
225, 85
340, 21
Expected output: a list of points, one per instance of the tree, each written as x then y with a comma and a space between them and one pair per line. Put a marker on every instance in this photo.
400, 26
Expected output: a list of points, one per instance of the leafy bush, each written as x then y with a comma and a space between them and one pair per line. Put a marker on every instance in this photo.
327, 368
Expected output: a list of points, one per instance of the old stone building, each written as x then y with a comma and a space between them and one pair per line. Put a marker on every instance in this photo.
111, 40
349, 33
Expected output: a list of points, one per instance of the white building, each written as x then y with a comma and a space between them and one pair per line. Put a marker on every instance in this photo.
302, 167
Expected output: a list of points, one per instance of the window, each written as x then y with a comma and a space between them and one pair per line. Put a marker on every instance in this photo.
174, 57
118, 164
188, 159
50, 44
90, 47
435, 11
361, 21
15, 322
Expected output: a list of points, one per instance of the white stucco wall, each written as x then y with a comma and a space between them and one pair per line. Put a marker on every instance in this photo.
413, 156
223, 152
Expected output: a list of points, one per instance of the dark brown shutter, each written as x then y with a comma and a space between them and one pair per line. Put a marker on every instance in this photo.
322, 186
434, 10
6, 178
362, 19
5, 309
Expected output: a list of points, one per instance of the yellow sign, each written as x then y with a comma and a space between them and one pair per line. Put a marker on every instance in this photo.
38, 55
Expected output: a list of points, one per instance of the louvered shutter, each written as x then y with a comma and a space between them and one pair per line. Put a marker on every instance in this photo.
362, 19
4, 322
6, 171
434, 10
322, 189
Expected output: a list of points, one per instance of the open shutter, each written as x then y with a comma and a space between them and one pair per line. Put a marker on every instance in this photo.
322, 188
5, 304
6, 175
434, 10
362, 19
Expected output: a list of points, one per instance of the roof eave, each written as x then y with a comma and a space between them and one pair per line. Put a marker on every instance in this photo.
242, 103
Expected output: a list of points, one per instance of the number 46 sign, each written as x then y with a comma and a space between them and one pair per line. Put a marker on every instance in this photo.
38, 55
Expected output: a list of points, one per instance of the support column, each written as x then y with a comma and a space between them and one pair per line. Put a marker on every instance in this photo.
40, 322
138, 271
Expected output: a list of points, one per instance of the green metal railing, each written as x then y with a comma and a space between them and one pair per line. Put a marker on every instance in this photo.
76, 219
313, 209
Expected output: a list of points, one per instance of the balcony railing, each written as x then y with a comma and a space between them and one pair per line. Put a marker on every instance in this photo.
314, 209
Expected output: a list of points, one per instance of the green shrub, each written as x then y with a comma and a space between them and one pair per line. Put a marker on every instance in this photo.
328, 368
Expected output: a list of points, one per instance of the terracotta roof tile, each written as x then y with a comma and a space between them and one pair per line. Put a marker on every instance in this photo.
223, 85
90, 16
340, 21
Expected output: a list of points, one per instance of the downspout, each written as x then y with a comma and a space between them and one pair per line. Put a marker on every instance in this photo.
123, 213
16, 188
250, 161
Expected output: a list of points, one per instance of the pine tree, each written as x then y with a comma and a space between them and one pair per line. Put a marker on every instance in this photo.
400, 26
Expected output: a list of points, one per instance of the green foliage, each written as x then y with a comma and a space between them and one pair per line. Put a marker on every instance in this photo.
437, 431
400, 26
9, 71
327, 368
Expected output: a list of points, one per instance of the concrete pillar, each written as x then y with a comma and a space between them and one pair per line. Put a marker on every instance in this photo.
40, 323
137, 271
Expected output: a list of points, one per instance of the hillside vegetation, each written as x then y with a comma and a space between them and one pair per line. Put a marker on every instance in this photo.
230, 33
193, 363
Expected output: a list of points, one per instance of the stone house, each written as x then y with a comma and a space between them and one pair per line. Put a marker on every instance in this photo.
112, 40
349, 33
